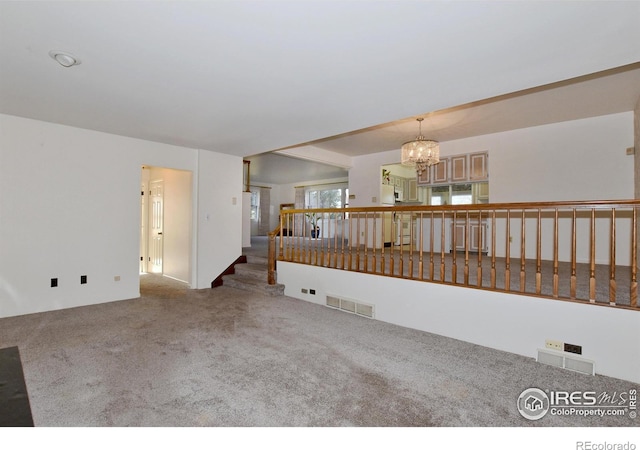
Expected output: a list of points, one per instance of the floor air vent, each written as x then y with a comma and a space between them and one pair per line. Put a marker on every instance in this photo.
567, 361
349, 305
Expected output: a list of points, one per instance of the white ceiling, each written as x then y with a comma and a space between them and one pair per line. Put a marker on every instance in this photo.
608, 92
248, 77
277, 169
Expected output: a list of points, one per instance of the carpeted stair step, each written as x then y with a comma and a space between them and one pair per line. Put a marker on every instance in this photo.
253, 284
252, 259
251, 270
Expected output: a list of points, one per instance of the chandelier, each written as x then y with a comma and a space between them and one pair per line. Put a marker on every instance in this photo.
420, 152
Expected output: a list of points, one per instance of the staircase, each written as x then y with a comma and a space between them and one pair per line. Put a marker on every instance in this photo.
252, 276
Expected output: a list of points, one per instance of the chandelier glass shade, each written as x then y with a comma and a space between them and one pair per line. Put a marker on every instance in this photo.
420, 152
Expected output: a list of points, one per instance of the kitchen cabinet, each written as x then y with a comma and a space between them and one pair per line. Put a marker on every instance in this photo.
456, 169
424, 177
412, 190
478, 166
459, 168
441, 171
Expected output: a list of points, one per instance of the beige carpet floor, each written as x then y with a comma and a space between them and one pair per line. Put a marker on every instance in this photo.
223, 357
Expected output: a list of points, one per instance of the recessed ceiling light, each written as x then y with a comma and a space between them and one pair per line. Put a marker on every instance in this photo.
64, 59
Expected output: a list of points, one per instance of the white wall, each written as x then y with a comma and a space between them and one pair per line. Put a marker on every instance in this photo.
219, 240
70, 206
512, 323
576, 160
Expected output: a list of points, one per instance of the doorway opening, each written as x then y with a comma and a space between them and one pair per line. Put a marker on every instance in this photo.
166, 222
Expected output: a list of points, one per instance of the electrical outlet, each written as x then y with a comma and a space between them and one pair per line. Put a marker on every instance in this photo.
554, 345
312, 291
54, 282
572, 348
83, 279
304, 291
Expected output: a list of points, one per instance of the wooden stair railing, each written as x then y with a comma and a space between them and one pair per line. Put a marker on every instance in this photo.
577, 251
271, 255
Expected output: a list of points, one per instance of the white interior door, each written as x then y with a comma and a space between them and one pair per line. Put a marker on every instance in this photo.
156, 220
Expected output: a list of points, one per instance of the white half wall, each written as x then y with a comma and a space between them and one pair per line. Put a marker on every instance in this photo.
512, 323
70, 206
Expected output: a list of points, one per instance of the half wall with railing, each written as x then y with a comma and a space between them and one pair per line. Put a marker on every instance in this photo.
576, 251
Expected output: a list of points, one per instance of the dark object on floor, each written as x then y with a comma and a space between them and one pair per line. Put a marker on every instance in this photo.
15, 410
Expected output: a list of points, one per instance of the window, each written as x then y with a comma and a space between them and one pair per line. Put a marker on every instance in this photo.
329, 197
326, 198
458, 194
255, 204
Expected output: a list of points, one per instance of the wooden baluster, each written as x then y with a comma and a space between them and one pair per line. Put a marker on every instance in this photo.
612, 263
314, 242
326, 261
375, 244
573, 282
383, 268
466, 249
284, 246
523, 274
350, 254
400, 234
280, 235
421, 243
493, 249
556, 277
391, 252
633, 290
307, 245
293, 239
480, 247
539, 253
290, 241
454, 244
507, 258
301, 240
358, 244
271, 259
335, 240
321, 236
431, 267
293, 247
442, 244
411, 238
345, 219
592, 258
298, 234
366, 242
